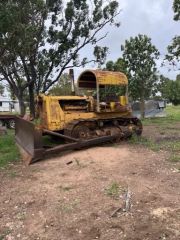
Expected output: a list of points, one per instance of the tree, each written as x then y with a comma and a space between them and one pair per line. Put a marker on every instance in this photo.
21, 29
1, 89
62, 87
117, 66
162, 87
173, 55
140, 55
171, 90
40, 39
176, 9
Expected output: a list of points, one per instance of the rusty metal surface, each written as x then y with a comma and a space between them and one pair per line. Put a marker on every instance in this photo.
7, 116
60, 135
90, 78
29, 140
82, 144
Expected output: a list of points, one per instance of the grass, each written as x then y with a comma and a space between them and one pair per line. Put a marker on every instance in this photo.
173, 116
68, 207
8, 150
114, 190
149, 143
4, 234
173, 147
174, 158
166, 126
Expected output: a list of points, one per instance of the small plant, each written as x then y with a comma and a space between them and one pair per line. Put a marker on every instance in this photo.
37, 121
66, 188
114, 190
174, 158
173, 146
77, 162
67, 207
4, 234
12, 174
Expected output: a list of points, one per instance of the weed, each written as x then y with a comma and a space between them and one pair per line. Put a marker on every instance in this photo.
66, 188
12, 174
77, 162
173, 146
68, 207
21, 216
114, 190
4, 234
174, 158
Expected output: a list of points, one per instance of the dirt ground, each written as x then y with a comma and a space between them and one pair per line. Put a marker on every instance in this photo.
71, 197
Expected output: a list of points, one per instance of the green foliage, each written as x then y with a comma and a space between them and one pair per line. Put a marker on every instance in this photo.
173, 55
40, 39
161, 86
140, 55
174, 158
169, 89
113, 92
62, 87
21, 31
8, 150
117, 66
176, 8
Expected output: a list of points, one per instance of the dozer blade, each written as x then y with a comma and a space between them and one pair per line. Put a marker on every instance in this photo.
29, 141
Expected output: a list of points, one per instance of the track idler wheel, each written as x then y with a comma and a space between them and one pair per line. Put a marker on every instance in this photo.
81, 132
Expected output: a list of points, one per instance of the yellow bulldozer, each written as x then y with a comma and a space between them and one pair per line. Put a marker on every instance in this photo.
80, 120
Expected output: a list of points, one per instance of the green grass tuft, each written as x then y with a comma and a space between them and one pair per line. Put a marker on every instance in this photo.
149, 143
8, 149
174, 158
114, 190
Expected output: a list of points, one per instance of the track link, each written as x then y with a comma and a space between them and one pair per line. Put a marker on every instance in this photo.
93, 128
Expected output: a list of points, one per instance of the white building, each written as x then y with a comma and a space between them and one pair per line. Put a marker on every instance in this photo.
8, 105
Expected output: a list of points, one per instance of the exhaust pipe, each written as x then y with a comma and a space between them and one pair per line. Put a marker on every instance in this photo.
71, 74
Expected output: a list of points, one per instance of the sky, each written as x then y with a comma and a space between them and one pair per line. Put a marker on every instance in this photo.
151, 17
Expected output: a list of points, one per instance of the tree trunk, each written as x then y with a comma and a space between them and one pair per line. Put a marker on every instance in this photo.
31, 87
21, 106
142, 107
31, 100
